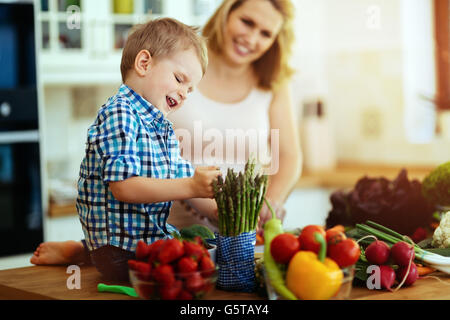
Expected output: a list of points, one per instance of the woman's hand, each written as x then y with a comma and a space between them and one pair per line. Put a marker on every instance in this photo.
266, 215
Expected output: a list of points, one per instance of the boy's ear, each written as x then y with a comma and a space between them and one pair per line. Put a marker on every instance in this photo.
143, 62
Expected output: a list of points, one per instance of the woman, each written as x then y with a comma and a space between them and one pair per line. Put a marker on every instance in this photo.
249, 47
245, 87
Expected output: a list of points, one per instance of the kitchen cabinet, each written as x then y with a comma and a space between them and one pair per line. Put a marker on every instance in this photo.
81, 41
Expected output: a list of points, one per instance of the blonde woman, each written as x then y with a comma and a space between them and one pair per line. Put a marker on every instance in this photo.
245, 89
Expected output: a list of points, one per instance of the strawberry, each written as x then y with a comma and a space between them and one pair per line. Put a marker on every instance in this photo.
193, 250
164, 274
171, 292
142, 250
206, 252
132, 264
195, 283
154, 250
187, 265
185, 295
207, 266
170, 250
144, 270
198, 240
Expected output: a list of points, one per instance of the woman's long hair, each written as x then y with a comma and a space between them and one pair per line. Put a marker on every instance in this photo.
272, 68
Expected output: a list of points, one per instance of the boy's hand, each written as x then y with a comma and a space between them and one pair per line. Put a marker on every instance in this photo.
203, 178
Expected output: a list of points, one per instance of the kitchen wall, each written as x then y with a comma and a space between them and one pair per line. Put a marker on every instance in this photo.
370, 60
359, 56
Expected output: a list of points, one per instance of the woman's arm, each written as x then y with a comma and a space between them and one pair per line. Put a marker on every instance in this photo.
282, 118
205, 207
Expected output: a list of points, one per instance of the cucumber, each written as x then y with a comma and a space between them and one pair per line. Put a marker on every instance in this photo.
196, 230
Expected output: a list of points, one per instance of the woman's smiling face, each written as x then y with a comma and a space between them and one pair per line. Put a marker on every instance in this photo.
250, 31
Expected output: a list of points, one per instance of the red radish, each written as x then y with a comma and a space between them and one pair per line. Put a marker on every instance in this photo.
377, 252
402, 252
412, 275
387, 277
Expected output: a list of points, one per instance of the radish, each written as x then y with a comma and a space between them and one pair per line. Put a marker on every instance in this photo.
377, 252
412, 276
402, 253
387, 277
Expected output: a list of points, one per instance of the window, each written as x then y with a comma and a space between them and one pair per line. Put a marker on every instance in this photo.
442, 33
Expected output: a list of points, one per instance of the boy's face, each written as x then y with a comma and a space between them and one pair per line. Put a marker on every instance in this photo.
168, 80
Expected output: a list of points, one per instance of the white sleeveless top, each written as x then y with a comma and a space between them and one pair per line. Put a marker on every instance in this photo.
224, 134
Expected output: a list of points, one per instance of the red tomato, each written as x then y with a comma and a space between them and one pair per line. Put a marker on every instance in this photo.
283, 247
307, 239
334, 236
344, 253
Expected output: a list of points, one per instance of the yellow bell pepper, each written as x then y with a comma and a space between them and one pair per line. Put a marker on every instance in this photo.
314, 277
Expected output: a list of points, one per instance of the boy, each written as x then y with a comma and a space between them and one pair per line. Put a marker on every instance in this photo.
132, 169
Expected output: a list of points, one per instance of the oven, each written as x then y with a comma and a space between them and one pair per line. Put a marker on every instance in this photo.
21, 213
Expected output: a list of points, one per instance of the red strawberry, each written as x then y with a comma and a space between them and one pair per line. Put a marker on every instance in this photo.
198, 240
207, 266
185, 295
164, 274
144, 270
132, 264
171, 292
206, 252
142, 250
170, 250
187, 265
193, 250
195, 283
154, 250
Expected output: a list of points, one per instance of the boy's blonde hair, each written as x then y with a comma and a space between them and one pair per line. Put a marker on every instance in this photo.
272, 68
162, 37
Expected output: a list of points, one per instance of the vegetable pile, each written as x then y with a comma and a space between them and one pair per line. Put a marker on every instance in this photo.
436, 185
395, 255
239, 199
441, 236
170, 269
386, 202
307, 266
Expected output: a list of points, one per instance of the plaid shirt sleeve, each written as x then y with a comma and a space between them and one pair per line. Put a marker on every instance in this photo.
115, 142
184, 167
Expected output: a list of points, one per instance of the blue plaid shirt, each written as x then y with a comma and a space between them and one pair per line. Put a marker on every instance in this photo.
130, 137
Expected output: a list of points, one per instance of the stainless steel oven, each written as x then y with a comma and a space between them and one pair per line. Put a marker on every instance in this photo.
20, 166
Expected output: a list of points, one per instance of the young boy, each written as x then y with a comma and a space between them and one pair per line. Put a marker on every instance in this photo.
132, 169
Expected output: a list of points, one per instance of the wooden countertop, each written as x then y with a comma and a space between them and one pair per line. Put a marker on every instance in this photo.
50, 282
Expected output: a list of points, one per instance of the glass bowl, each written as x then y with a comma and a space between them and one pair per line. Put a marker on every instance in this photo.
343, 293
187, 286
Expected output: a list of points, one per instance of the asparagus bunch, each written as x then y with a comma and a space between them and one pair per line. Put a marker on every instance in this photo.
239, 199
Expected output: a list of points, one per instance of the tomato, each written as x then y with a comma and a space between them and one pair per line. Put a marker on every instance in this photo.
345, 253
334, 236
307, 239
283, 247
